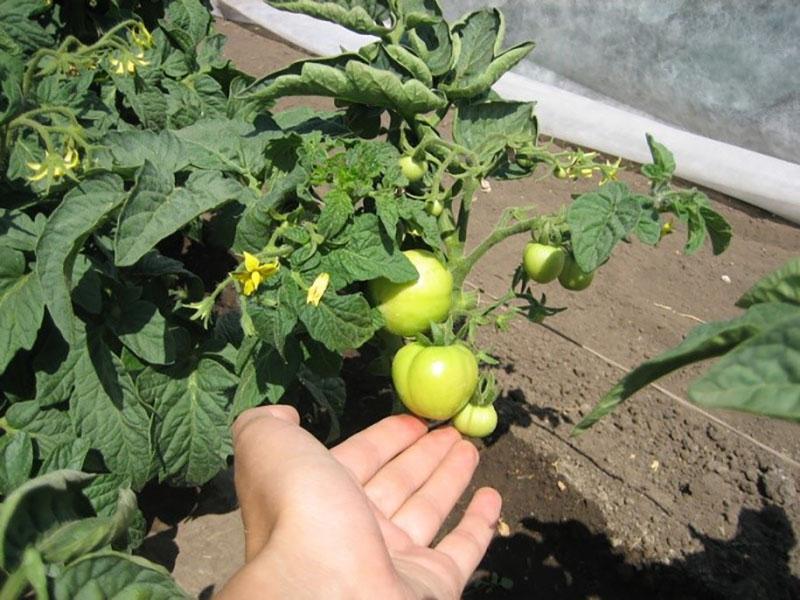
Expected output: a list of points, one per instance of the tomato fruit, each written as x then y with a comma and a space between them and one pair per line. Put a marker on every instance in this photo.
434, 382
435, 208
412, 169
409, 308
543, 263
572, 277
476, 421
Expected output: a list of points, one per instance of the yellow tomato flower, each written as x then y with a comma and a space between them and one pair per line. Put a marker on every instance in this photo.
317, 289
126, 62
610, 171
54, 165
254, 273
141, 37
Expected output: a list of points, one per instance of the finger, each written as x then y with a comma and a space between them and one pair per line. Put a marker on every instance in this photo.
366, 452
423, 513
404, 475
283, 412
467, 543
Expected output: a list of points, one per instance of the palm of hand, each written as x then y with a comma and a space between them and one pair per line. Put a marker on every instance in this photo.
359, 519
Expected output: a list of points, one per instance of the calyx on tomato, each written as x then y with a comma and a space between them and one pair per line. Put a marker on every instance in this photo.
476, 421
410, 308
413, 169
572, 277
543, 263
435, 382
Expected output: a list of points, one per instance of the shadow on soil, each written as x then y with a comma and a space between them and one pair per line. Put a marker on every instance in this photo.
567, 561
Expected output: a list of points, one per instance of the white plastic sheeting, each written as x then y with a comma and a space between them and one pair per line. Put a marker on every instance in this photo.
770, 183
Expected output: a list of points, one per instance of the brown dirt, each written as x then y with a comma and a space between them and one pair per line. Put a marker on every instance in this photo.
659, 500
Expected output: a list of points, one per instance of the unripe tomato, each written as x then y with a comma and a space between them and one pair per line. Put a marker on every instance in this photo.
409, 308
572, 277
435, 207
412, 169
434, 382
543, 263
476, 421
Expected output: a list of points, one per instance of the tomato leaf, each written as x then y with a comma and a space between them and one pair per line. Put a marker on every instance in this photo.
16, 460
489, 127
598, 220
21, 305
362, 16
703, 342
782, 285
340, 322
49, 427
265, 378
143, 330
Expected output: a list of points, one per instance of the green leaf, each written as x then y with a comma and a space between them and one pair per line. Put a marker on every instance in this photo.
782, 285
362, 16
337, 210
368, 254
254, 228
760, 376
663, 165
19, 231
31, 573
265, 378
68, 455
187, 22
143, 330
106, 410
16, 460
340, 322
480, 63
155, 209
21, 306
104, 494
191, 429
598, 220
411, 63
274, 324
330, 392
74, 539
37, 507
703, 342
49, 427
116, 576
718, 229
131, 149
83, 210
489, 127
353, 82
648, 228
433, 43
11, 69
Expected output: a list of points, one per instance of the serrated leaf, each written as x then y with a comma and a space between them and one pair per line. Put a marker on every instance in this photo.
143, 330
386, 207
265, 378
19, 231
83, 209
21, 306
598, 220
718, 229
37, 507
68, 455
368, 254
340, 322
16, 460
337, 209
117, 576
662, 157
254, 228
760, 376
155, 208
50, 427
703, 342
782, 285
106, 410
361, 16
187, 22
131, 149
489, 127
648, 229
274, 324
191, 428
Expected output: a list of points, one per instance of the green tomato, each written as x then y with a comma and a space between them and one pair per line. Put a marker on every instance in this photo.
412, 169
410, 308
435, 382
572, 277
476, 421
434, 208
543, 263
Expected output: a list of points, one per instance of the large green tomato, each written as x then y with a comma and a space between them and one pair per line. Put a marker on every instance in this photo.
476, 421
413, 170
572, 277
543, 263
409, 308
435, 382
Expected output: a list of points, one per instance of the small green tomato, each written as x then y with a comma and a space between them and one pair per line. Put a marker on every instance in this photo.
572, 277
413, 169
543, 263
476, 421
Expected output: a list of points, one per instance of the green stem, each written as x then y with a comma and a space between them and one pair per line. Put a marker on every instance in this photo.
15, 586
461, 268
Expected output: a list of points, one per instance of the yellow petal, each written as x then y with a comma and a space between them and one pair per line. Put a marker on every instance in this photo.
268, 269
317, 289
256, 278
33, 166
250, 262
249, 288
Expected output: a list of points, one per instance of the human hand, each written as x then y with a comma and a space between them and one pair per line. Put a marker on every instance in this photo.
356, 521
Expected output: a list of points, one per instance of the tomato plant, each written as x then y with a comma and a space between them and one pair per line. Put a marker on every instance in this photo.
435, 382
175, 250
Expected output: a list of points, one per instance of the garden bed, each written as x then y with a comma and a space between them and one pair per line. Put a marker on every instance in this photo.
659, 500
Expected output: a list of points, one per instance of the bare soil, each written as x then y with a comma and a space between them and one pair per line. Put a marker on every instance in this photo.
660, 500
